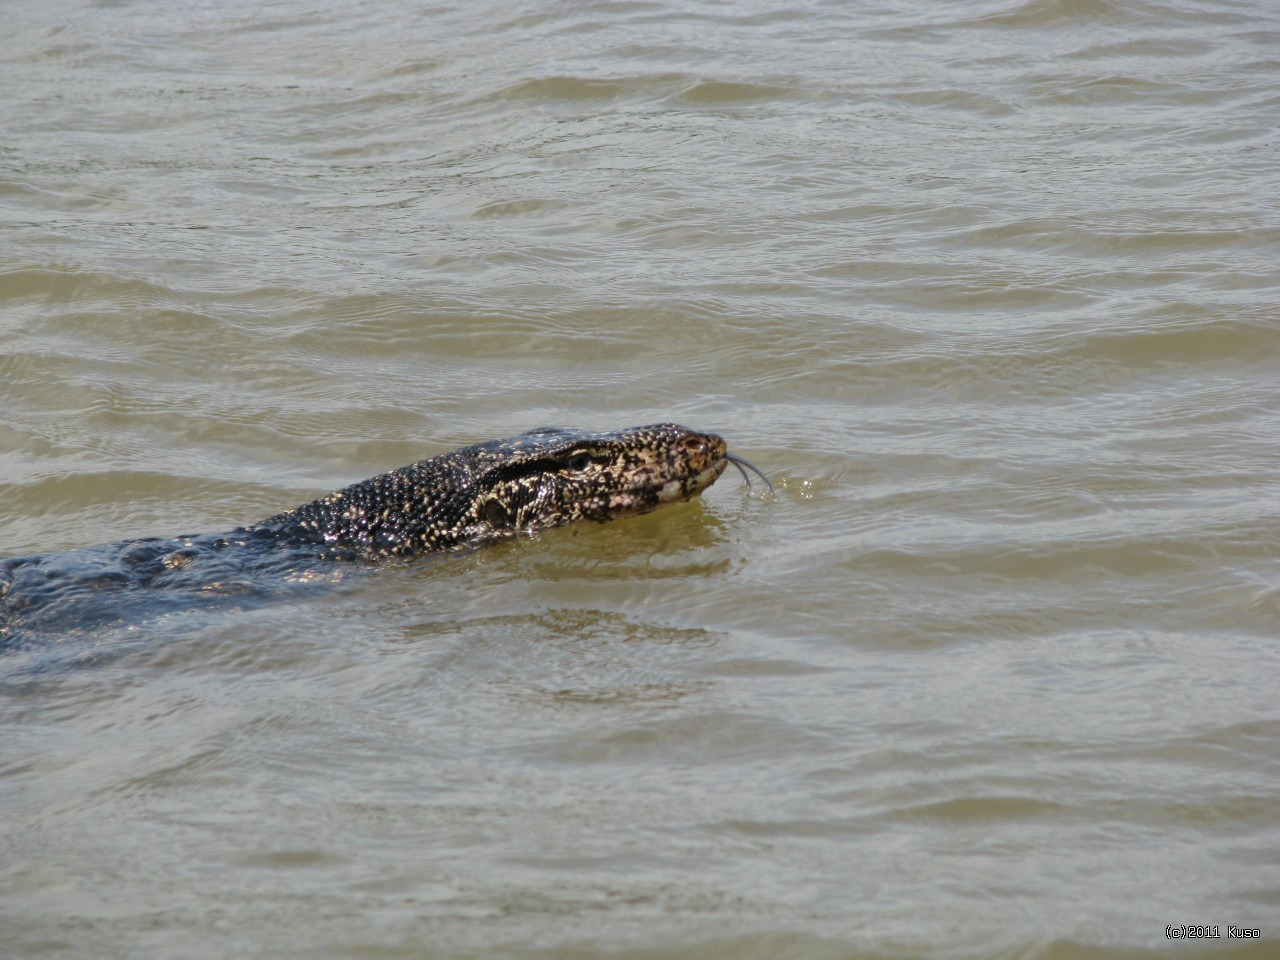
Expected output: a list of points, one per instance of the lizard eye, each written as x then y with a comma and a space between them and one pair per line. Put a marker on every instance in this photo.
579, 462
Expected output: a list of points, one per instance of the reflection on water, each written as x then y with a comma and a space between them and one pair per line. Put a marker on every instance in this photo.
987, 290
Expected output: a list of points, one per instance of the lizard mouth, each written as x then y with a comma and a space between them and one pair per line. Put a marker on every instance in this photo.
693, 484
682, 488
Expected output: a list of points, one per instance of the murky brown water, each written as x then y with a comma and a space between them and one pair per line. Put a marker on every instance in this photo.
989, 289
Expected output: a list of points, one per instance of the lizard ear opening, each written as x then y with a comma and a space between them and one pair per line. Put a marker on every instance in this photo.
496, 515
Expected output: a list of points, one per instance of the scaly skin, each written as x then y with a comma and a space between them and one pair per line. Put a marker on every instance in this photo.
544, 478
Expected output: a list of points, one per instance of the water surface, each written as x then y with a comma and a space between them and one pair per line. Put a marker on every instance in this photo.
989, 289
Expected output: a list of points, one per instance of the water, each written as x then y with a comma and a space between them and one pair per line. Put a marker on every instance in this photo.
988, 289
